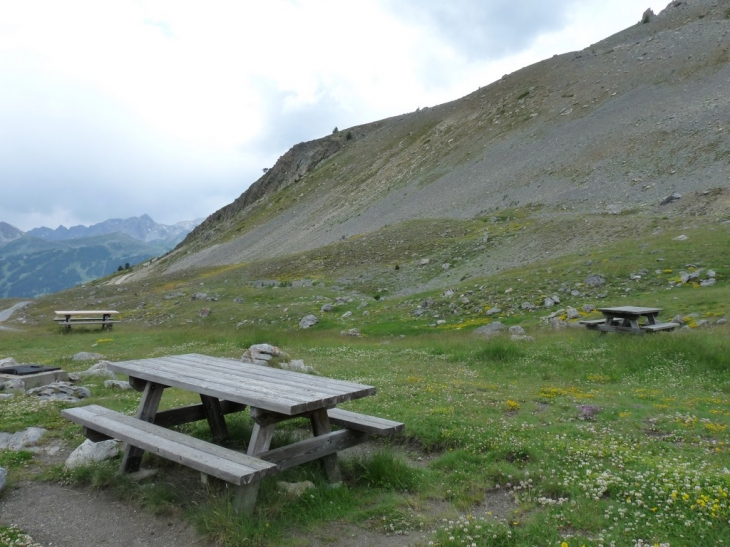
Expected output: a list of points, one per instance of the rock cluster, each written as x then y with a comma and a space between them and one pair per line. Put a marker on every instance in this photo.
271, 356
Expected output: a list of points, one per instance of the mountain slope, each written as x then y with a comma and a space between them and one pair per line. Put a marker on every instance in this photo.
615, 128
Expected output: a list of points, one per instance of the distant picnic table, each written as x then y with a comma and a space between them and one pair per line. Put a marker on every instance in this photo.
629, 319
68, 318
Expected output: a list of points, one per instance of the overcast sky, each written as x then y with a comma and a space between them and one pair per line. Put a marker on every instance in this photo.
113, 109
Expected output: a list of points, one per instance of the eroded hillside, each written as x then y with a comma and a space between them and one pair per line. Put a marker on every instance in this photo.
612, 129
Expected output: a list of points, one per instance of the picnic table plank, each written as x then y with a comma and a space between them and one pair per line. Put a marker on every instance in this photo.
273, 389
226, 464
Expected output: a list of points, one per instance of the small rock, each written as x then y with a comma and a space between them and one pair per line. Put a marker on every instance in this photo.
308, 321
548, 302
326, 308
708, 282
297, 365
516, 329
571, 313
346, 314
117, 384
89, 452
490, 330
3, 476
594, 280
445, 266
99, 369
588, 308
528, 306
86, 356
493, 311
351, 332
557, 323
681, 238
199, 296
21, 440
295, 489
8, 362
670, 199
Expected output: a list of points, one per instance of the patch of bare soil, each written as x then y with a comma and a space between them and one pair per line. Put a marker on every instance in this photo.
67, 517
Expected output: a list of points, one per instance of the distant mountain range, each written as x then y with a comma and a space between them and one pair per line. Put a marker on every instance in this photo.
141, 228
43, 261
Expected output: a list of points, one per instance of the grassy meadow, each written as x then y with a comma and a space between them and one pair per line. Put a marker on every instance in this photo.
570, 438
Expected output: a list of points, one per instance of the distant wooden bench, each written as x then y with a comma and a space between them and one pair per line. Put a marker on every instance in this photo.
593, 323
86, 317
234, 467
659, 326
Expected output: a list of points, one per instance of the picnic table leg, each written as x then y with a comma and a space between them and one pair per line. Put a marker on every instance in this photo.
263, 432
320, 426
214, 415
147, 410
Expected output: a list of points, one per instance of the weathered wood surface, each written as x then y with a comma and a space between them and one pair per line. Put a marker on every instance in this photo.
192, 413
272, 389
313, 448
102, 322
86, 312
146, 412
630, 310
211, 459
659, 326
363, 422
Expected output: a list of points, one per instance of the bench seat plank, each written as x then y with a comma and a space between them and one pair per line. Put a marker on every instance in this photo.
63, 322
363, 422
312, 449
660, 326
226, 464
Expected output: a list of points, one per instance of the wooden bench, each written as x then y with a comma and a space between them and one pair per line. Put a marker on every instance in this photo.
234, 467
86, 317
659, 326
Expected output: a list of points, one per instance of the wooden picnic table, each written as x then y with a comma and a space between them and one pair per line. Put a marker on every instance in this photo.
226, 386
629, 319
67, 318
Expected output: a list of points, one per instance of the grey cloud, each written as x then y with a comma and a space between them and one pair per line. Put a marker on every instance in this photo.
74, 151
488, 28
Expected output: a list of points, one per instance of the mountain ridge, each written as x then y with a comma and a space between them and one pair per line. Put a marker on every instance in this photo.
142, 228
613, 129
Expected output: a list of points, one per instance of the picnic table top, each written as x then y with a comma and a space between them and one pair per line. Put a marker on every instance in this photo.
630, 310
86, 312
271, 389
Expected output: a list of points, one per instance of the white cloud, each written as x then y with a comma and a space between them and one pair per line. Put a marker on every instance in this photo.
171, 108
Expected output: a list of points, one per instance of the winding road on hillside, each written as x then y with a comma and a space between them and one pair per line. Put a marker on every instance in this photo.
6, 314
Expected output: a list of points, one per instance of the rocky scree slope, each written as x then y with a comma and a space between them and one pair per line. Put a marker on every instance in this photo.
614, 128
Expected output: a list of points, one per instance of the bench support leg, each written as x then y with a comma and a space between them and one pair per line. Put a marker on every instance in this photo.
321, 426
260, 442
147, 409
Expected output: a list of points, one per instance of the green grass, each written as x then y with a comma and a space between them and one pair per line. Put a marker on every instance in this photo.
597, 439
